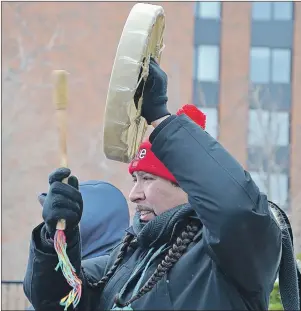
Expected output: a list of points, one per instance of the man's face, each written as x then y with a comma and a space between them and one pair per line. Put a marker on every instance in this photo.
154, 195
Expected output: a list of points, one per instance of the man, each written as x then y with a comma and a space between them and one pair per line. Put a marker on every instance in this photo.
203, 237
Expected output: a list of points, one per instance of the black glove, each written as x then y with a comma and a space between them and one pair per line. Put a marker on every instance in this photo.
154, 94
63, 201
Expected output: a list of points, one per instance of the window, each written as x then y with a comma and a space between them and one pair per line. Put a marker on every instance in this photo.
279, 188
281, 63
260, 65
266, 11
269, 158
208, 63
211, 121
208, 10
274, 185
270, 65
283, 10
262, 10
268, 128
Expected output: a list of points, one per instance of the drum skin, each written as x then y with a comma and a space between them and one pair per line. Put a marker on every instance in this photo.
142, 38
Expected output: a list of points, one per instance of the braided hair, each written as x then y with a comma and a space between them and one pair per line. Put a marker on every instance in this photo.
178, 248
127, 242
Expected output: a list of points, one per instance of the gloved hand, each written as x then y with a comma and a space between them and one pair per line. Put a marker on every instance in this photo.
154, 94
63, 201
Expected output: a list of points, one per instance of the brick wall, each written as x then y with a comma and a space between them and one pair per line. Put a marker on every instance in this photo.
234, 73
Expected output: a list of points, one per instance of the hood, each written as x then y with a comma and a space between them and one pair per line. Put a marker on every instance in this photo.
105, 217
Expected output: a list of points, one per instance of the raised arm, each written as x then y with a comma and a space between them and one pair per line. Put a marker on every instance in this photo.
242, 236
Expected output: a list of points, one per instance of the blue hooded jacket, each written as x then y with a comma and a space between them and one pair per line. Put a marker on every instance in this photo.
105, 218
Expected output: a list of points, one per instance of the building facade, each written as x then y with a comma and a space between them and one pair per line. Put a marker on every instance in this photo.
230, 59
246, 77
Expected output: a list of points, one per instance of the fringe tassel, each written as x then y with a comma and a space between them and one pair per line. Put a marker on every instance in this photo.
68, 271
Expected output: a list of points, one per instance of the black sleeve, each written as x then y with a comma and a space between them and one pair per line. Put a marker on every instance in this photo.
241, 234
44, 287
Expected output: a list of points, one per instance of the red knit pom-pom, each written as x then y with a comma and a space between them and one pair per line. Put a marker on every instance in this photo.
194, 113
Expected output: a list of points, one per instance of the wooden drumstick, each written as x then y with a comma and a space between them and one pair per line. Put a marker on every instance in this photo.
61, 100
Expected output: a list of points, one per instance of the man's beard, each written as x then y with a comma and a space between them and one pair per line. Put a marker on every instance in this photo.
145, 213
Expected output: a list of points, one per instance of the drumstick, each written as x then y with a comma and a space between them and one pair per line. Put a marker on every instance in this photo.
60, 101
60, 245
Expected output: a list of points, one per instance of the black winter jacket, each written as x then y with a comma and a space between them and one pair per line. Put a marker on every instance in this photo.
233, 263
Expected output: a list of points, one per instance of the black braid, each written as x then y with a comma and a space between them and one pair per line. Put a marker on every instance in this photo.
126, 243
174, 254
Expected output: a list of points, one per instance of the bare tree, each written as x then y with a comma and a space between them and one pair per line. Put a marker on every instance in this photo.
269, 144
